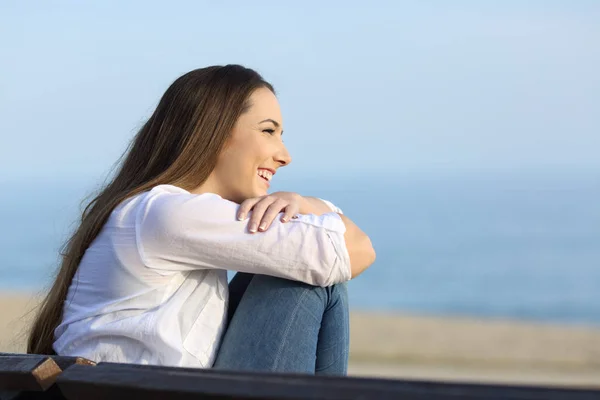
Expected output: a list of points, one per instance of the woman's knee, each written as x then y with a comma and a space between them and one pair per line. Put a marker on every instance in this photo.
327, 295
338, 294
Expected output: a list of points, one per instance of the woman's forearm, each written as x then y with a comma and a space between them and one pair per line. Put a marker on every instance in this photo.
314, 205
360, 248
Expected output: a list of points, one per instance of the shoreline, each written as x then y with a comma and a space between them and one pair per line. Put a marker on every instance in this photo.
389, 312
413, 346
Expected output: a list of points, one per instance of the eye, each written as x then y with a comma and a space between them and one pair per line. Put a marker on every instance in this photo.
269, 131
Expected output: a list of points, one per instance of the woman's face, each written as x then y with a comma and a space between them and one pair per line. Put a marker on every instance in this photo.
254, 151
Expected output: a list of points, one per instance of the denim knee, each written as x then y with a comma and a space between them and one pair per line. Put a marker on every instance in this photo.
328, 295
339, 292
336, 294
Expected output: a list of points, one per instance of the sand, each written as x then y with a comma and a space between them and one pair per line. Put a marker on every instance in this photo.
428, 348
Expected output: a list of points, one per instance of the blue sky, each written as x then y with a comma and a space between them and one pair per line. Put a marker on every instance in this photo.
379, 87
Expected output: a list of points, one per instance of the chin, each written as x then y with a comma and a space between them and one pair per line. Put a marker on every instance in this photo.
250, 194
259, 191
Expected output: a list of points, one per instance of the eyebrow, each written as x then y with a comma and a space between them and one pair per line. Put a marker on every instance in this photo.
273, 122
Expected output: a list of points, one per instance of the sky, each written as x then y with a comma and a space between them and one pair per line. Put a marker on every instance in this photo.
366, 88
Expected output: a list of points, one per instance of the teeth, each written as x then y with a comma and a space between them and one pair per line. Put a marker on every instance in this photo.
265, 174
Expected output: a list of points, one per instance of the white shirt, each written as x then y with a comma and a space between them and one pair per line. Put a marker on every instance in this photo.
152, 287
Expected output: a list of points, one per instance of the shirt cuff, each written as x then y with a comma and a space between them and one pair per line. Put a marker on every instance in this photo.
330, 221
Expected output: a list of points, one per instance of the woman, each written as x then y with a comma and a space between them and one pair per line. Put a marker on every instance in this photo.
144, 277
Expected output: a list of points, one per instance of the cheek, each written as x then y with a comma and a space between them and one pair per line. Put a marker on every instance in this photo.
253, 156
246, 153
236, 165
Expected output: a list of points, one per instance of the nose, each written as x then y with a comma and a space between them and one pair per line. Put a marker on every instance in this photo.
283, 156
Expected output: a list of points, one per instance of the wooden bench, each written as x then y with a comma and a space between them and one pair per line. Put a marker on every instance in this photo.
45, 377
30, 376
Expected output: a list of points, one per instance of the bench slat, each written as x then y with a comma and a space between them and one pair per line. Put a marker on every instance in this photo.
31, 373
62, 361
124, 381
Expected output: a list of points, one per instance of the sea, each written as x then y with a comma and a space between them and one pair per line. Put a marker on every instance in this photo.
502, 245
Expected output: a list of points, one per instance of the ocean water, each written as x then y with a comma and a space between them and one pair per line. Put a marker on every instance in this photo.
503, 246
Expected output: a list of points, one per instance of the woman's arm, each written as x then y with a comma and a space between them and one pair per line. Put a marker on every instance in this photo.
314, 205
183, 232
266, 208
360, 248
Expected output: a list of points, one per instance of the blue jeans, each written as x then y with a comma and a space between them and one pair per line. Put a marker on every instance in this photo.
279, 325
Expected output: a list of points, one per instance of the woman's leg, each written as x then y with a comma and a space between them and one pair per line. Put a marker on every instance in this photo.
237, 288
286, 326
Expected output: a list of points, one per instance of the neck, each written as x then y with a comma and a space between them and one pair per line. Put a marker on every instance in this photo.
211, 185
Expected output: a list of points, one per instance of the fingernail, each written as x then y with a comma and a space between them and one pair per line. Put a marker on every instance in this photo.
240, 217
252, 228
284, 219
262, 226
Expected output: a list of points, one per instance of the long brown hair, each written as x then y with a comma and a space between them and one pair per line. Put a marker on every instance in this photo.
178, 145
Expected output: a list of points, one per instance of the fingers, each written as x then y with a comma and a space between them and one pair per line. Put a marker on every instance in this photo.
246, 206
271, 213
290, 212
258, 211
264, 211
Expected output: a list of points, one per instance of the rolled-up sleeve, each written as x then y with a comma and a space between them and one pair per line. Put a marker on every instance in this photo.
183, 231
332, 206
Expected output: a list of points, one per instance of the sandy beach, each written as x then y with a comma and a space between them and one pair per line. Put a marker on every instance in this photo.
425, 347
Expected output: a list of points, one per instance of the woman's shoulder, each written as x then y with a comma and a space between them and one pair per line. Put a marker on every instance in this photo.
171, 203
167, 189
168, 198
171, 195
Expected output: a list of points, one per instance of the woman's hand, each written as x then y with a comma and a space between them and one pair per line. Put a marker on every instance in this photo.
266, 208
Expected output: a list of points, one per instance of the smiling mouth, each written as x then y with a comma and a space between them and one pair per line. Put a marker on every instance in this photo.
265, 175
